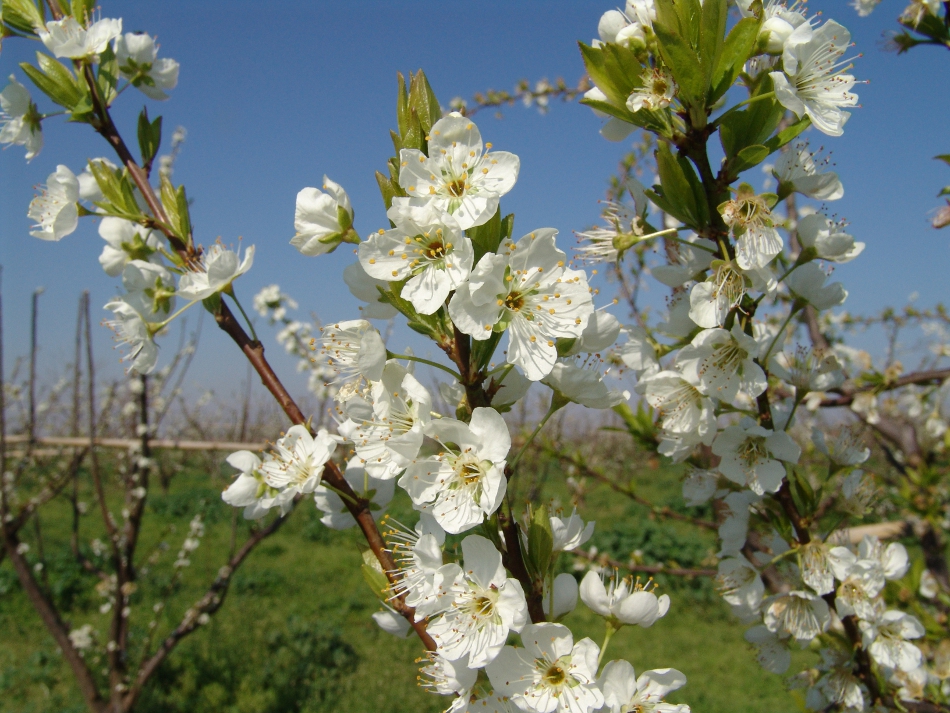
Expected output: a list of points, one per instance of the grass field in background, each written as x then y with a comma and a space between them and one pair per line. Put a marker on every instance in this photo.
295, 632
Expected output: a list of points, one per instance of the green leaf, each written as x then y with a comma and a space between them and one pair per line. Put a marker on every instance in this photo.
945, 157
712, 32
82, 10
386, 188
654, 121
944, 192
423, 100
107, 78
735, 51
507, 226
373, 575
751, 126
184, 215
540, 541
150, 137
54, 80
786, 135
595, 63
487, 237
684, 64
402, 106
681, 189
170, 203
624, 70
24, 15
748, 157
415, 137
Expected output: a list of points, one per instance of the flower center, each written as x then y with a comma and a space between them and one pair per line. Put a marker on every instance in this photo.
435, 250
555, 675
753, 451
456, 187
514, 301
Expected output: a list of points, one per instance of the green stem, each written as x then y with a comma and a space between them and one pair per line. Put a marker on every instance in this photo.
161, 325
343, 495
608, 635
765, 359
555, 406
410, 357
794, 408
230, 292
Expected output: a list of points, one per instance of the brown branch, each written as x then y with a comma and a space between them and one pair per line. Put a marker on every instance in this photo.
513, 558
358, 507
208, 604
847, 393
644, 568
53, 622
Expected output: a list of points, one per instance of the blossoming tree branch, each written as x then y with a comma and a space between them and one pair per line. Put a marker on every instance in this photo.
720, 381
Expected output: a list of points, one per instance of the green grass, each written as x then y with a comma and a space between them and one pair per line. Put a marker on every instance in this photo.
295, 632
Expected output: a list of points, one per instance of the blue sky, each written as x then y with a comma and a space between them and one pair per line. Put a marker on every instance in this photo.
274, 95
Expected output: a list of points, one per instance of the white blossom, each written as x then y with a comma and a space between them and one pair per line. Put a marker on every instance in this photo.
750, 455
392, 622
846, 447
132, 330
250, 491
446, 677
722, 363
465, 482
624, 691
656, 91
298, 460
419, 572
387, 431
56, 210
19, 119
126, 241
699, 486
356, 354
569, 533
798, 169
686, 260
484, 606
68, 38
527, 290
680, 405
137, 55
456, 176
772, 654
623, 601
221, 267
551, 673
808, 370
740, 586
808, 283
802, 615
427, 249
560, 597
366, 289
886, 639
322, 220
814, 81
750, 218
823, 235
82, 638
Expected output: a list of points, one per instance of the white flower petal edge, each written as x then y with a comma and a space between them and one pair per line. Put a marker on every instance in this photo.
551, 673
457, 177
528, 290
